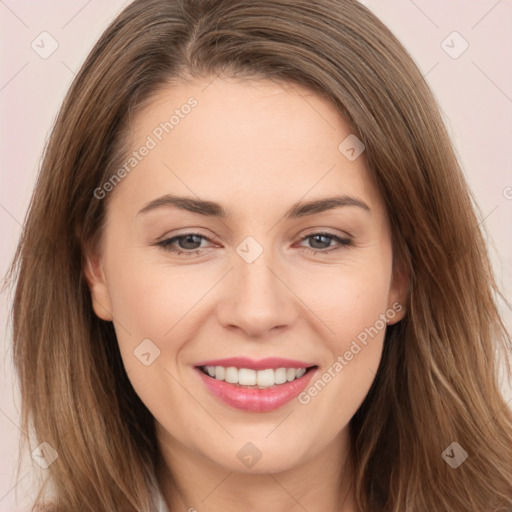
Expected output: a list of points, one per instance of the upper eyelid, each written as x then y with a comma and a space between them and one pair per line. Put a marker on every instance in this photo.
188, 233
315, 232
309, 232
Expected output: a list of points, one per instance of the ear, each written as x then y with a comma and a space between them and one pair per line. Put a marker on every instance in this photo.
97, 282
398, 294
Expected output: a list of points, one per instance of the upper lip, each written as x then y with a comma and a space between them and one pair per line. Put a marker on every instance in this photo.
261, 364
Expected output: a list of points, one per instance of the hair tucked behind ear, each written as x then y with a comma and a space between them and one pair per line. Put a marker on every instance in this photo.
437, 380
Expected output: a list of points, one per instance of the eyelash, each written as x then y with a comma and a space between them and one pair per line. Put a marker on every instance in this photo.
343, 242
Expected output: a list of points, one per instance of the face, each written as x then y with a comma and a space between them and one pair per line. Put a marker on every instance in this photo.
251, 277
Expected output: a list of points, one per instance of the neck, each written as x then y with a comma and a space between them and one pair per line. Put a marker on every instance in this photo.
193, 482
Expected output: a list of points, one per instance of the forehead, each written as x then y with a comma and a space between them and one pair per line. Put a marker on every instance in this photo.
250, 141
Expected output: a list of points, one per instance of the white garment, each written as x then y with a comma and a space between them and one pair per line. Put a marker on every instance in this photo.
162, 507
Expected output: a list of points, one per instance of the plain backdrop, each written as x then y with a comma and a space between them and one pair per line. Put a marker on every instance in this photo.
461, 47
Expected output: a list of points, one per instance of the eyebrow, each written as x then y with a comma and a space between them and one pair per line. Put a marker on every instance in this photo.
212, 209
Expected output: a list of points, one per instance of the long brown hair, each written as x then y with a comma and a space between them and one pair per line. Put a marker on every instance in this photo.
437, 380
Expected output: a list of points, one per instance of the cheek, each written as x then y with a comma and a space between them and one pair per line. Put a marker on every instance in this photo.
354, 344
350, 299
150, 298
352, 305
156, 303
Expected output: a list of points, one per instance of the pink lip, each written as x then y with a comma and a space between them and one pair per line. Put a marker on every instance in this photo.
263, 364
254, 399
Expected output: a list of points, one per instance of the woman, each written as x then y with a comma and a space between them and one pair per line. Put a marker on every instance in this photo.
252, 278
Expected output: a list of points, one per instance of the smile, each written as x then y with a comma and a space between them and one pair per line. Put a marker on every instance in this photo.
257, 388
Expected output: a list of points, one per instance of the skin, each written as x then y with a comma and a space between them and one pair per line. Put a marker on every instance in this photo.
257, 148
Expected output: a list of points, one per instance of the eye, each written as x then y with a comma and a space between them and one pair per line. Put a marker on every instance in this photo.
187, 243
190, 243
319, 240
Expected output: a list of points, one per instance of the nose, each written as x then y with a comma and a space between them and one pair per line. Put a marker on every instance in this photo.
256, 298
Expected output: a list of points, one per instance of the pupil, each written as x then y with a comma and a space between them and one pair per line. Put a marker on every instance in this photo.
187, 239
315, 239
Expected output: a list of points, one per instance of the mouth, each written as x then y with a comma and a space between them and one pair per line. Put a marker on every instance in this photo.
255, 386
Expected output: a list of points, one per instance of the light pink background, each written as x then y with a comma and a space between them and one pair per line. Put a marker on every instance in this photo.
474, 91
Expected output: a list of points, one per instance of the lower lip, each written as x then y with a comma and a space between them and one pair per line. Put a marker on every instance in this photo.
254, 399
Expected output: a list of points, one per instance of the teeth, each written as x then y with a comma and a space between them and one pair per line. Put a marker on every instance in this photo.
247, 377
265, 378
280, 376
219, 372
252, 378
231, 375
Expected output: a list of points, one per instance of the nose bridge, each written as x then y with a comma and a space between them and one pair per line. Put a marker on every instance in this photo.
256, 299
